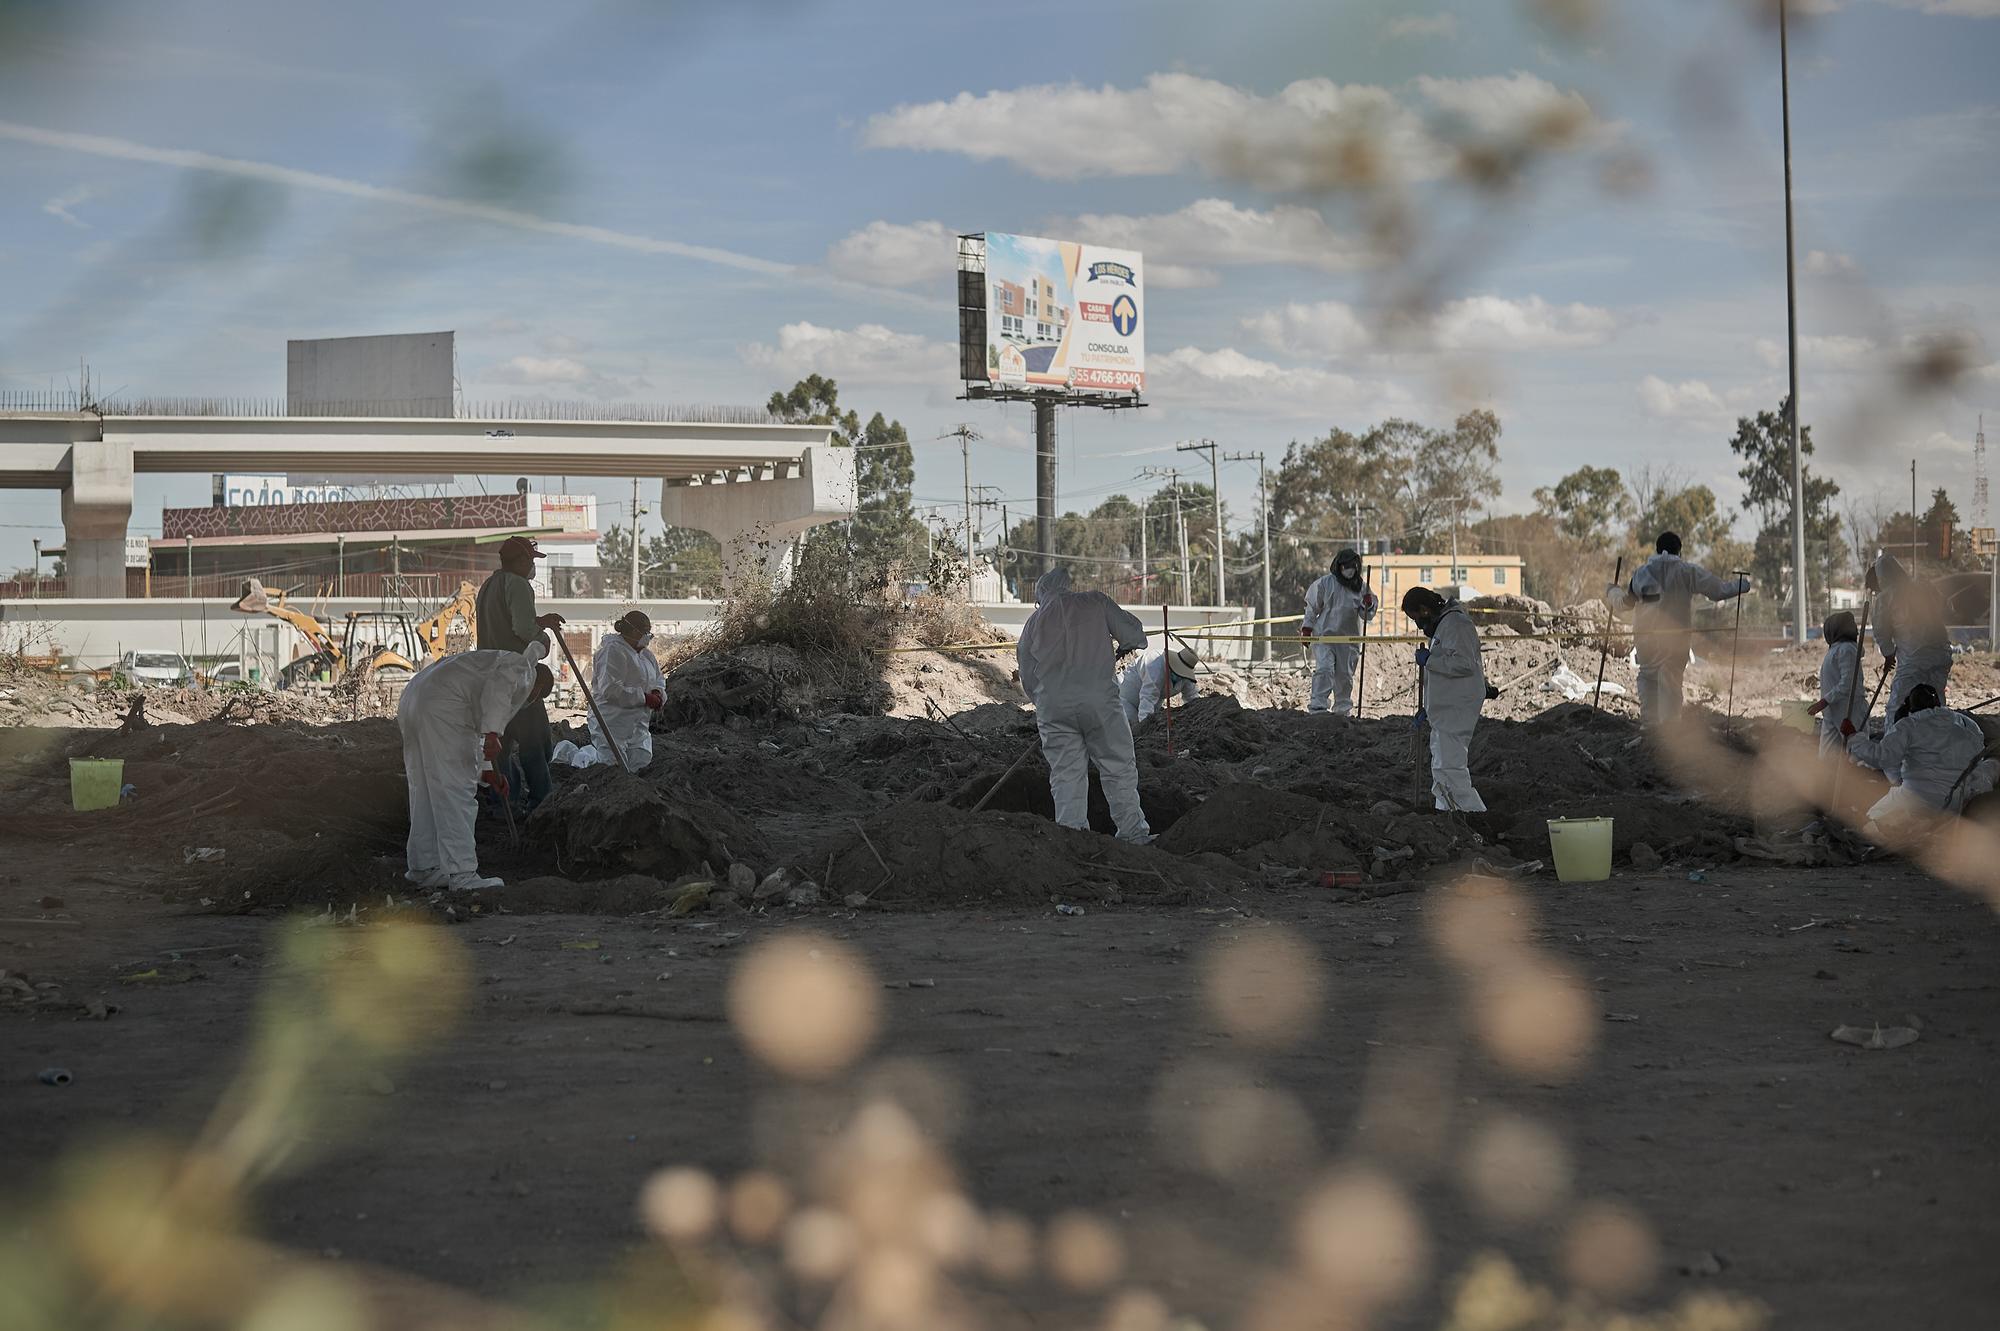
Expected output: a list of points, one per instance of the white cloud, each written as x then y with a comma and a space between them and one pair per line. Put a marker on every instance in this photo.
1494, 323
1219, 232
867, 353
1226, 378
59, 207
1312, 134
1829, 263
1688, 400
1477, 323
1415, 27
896, 254
558, 375
1327, 328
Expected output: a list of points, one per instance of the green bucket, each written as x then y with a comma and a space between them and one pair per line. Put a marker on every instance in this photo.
1581, 848
94, 783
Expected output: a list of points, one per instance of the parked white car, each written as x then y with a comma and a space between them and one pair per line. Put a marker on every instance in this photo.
164, 669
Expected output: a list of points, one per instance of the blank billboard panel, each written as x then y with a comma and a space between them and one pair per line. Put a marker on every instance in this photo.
399, 374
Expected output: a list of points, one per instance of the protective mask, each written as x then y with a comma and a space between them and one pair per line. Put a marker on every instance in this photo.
645, 641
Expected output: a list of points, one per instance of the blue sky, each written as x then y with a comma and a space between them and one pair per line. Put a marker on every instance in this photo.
702, 203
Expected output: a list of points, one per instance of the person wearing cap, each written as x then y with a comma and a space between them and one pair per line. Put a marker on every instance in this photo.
1842, 708
1660, 597
1147, 680
1336, 607
508, 623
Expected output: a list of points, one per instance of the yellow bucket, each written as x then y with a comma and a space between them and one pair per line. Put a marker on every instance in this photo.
1581, 848
94, 783
1797, 715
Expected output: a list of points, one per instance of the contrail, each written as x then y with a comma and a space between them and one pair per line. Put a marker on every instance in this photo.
125, 150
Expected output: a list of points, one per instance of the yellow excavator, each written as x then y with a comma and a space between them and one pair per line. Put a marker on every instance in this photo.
385, 645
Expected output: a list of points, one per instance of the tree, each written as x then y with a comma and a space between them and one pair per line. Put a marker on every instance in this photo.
680, 561
1586, 504
884, 530
1764, 443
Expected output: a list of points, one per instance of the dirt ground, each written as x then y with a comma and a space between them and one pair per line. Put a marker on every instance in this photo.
1060, 1058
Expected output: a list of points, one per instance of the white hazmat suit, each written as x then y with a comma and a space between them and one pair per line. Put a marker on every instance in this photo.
1335, 610
1660, 597
1146, 682
1932, 759
620, 678
1066, 659
1909, 625
446, 711
1845, 696
1454, 691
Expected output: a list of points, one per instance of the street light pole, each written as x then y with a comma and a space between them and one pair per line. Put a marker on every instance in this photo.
1215, 492
1263, 651
1792, 341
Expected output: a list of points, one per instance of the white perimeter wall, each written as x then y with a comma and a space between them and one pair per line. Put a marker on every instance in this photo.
96, 633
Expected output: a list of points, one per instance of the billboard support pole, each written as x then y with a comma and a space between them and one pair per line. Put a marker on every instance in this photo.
1045, 481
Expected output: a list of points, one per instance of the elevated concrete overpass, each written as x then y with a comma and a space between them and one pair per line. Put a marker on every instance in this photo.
729, 480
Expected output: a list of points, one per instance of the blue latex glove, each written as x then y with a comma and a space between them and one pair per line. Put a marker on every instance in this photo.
1417, 721
1423, 655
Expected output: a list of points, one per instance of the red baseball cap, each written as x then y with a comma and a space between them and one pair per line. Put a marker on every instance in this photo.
515, 545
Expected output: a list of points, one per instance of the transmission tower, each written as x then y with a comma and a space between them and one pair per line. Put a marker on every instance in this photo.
1979, 474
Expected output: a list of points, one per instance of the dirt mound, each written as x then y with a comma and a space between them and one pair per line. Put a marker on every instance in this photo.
934, 856
605, 822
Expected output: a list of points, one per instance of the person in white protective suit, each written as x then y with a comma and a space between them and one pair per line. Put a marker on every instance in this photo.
1337, 605
452, 713
1934, 759
1454, 683
1909, 632
628, 686
1842, 708
1066, 657
1146, 681
1660, 598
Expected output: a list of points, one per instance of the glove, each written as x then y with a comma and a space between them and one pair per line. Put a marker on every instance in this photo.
1368, 601
1816, 708
1742, 586
489, 777
655, 699
1847, 727
1888, 664
1492, 692
549, 621
1423, 655
492, 748
1417, 721
1305, 630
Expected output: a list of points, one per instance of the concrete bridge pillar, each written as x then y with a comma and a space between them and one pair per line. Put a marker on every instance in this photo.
759, 516
96, 510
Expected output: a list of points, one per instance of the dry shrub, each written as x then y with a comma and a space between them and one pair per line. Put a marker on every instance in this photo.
941, 621
816, 611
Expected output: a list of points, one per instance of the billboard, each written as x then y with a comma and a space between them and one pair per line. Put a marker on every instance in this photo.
234, 491
1064, 315
399, 374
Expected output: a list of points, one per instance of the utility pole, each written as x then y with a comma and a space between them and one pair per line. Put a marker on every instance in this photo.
980, 503
1172, 476
635, 538
1792, 341
1045, 481
965, 434
1916, 527
1215, 490
1145, 567
1263, 647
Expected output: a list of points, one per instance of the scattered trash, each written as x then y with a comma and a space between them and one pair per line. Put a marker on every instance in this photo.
128, 793
1621, 1016
923, 984
49, 903
1062, 909
202, 854
692, 898
1643, 857
1575, 688
54, 1076
1383, 940
1876, 1037
1339, 878
1697, 876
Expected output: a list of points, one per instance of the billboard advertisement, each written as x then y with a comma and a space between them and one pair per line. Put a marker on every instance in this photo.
1064, 315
